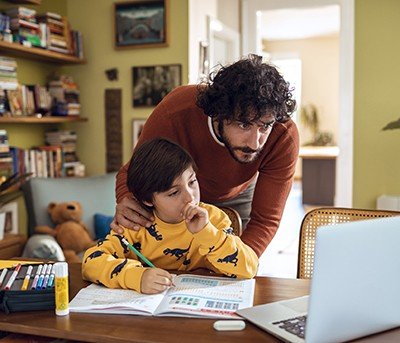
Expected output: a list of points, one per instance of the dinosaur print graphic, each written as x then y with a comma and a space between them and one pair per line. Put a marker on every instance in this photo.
94, 254
122, 243
186, 262
230, 258
153, 231
118, 269
137, 246
115, 254
178, 253
101, 241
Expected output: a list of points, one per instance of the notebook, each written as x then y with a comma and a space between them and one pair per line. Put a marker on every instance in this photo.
191, 296
354, 290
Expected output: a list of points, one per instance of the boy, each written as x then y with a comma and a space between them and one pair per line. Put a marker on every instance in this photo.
185, 235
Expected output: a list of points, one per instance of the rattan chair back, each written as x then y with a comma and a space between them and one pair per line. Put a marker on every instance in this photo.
235, 219
322, 217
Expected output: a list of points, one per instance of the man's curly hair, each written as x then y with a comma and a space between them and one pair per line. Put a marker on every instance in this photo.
246, 91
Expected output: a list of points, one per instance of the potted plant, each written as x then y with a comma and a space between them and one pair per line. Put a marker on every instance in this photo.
309, 118
392, 125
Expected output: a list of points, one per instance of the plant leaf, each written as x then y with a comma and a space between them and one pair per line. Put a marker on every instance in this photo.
392, 125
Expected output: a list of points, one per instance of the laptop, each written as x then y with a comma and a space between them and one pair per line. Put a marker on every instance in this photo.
355, 288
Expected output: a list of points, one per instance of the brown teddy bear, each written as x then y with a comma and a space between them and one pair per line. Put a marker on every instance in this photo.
70, 232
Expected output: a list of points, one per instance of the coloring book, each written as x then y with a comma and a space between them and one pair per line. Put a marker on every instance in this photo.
192, 296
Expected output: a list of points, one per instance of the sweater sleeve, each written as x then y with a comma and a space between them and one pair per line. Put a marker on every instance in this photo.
225, 251
111, 264
272, 189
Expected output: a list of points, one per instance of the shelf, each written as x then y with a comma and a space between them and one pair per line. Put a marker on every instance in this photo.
43, 120
27, 2
18, 50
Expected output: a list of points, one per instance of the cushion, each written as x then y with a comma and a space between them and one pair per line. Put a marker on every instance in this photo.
102, 225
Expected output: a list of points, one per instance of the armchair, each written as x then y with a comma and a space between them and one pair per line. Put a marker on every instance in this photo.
95, 193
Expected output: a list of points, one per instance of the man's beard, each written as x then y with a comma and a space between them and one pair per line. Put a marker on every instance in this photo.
232, 149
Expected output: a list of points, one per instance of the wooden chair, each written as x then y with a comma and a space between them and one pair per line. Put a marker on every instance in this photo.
235, 219
327, 216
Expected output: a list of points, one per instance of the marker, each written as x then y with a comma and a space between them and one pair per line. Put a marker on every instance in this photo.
46, 277
27, 278
35, 280
13, 276
3, 275
51, 278
41, 277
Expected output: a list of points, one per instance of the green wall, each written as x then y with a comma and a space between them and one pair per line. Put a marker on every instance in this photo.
95, 19
376, 96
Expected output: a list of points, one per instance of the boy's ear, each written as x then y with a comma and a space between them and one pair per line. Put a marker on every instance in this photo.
147, 203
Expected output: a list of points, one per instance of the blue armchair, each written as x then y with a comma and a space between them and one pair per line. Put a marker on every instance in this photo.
95, 193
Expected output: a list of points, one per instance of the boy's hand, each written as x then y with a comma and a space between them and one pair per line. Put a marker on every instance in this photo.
155, 280
196, 217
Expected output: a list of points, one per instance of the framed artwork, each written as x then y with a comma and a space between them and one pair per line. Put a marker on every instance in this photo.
10, 217
137, 127
151, 84
141, 23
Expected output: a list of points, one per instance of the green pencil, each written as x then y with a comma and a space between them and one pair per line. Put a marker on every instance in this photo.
130, 246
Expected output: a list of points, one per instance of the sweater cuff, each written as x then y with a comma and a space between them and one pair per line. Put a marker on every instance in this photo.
133, 278
209, 236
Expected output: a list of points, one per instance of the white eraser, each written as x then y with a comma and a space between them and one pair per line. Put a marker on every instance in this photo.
229, 325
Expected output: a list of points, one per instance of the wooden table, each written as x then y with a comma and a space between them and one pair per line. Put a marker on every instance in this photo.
126, 328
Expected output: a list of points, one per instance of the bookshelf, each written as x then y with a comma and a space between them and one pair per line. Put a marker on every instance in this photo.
18, 50
43, 120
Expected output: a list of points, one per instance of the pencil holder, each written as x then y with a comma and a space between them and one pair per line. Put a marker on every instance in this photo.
27, 289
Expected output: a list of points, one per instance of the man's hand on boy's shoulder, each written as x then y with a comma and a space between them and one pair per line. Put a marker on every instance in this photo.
196, 217
130, 214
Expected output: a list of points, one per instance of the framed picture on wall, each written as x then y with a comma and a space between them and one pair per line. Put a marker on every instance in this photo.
151, 84
141, 23
137, 127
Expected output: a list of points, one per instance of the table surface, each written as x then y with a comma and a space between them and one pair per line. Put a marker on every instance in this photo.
129, 328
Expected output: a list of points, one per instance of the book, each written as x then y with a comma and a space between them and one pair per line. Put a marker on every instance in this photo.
192, 296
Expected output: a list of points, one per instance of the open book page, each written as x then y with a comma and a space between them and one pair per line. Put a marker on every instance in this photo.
99, 299
205, 296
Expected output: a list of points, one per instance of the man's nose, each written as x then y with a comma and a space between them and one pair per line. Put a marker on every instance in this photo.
255, 139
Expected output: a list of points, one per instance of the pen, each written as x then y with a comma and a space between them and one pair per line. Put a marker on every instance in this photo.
41, 277
130, 246
35, 280
27, 278
46, 277
13, 276
3, 275
51, 278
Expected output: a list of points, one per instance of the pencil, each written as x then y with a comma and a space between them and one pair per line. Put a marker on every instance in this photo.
143, 258
13, 276
27, 278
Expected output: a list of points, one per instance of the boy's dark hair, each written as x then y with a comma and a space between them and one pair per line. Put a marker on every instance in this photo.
154, 166
246, 91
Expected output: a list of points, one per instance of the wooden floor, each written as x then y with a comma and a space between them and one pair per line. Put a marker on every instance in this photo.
280, 258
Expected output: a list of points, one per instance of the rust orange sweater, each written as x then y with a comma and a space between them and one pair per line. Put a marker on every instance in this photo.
220, 177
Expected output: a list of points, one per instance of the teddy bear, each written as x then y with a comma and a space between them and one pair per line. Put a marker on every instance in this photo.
70, 232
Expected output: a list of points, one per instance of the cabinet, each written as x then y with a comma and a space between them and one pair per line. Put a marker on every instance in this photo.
12, 246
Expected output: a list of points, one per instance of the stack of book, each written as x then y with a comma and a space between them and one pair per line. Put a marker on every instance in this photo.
6, 162
8, 73
24, 26
67, 141
56, 32
65, 97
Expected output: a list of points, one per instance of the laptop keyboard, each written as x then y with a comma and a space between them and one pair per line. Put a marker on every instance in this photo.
295, 326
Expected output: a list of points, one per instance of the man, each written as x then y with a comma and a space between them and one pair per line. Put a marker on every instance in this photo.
237, 127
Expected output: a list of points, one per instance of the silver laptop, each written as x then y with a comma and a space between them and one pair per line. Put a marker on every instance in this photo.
355, 289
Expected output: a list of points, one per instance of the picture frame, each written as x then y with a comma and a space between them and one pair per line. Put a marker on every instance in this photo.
151, 83
11, 217
141, 24
137, 127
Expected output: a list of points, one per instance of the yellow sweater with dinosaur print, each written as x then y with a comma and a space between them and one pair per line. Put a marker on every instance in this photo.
170, 247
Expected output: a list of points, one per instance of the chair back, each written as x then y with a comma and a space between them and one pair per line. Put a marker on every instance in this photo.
235, 219
323, 217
